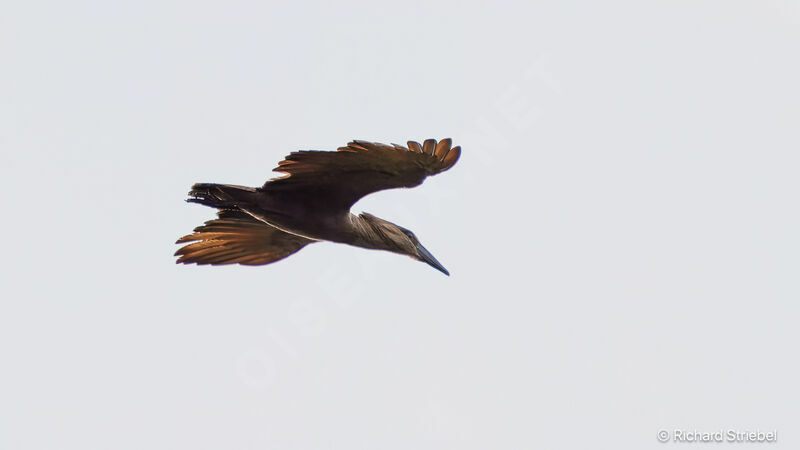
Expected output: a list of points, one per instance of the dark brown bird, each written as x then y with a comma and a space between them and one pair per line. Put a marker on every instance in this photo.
312, 203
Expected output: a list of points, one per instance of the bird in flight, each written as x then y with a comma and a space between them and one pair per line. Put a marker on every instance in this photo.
311, 203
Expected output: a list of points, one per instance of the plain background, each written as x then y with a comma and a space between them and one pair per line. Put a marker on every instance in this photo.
622, 228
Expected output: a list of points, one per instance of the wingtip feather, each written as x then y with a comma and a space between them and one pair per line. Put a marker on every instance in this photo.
414, 146
429, 146
442, 148
451, 157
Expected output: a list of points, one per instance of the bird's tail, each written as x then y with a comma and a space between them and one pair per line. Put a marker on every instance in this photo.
222, 196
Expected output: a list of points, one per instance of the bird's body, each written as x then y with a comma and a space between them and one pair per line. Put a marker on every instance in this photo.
312, 203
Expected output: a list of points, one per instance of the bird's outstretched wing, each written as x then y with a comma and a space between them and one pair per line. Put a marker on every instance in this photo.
237, 238
338, 179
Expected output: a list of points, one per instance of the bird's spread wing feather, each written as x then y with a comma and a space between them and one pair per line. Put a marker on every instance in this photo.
237, 238
338, 179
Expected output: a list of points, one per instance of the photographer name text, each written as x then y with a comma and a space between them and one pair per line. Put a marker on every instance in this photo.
723, 435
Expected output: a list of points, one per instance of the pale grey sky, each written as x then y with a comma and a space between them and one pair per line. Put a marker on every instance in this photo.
622, 228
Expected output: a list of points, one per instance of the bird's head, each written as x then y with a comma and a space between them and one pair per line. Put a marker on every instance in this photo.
397, 239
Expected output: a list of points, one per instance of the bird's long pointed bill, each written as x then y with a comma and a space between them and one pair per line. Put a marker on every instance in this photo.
426, 256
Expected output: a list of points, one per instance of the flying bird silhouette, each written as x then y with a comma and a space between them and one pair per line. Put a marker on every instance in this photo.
311, 203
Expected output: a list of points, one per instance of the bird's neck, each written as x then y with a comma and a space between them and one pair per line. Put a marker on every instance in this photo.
361, 233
